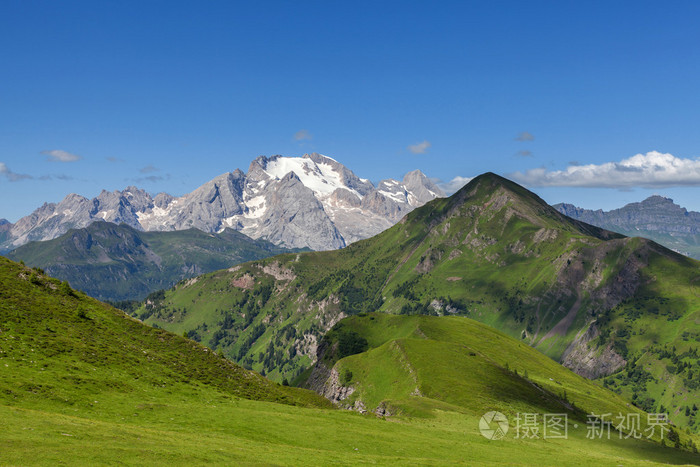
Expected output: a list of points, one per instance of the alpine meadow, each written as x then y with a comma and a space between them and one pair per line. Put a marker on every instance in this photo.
349, 233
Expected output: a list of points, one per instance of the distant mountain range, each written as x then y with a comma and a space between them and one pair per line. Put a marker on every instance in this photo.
656, 218
297, 202
5, 227
117, 262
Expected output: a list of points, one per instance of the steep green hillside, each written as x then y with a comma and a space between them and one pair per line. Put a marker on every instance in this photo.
116, 262
495, 252
392, 364
64, 350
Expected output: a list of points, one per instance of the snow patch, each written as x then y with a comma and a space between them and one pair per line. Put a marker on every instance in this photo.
395, 196
256, 208
321, 178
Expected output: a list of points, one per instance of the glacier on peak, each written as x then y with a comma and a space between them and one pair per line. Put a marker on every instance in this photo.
311, 201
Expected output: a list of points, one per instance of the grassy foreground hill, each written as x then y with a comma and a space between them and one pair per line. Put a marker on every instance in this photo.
624, 310
416, 365
117, 262
81, 383
62, 349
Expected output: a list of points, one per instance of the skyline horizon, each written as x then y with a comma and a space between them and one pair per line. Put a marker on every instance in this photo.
448, 188
593, 104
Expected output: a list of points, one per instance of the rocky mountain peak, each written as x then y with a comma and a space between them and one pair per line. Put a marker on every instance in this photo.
656, 202
311, 201
657, 218
422, 188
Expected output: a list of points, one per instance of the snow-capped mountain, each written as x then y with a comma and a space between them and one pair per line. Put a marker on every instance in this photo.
311, 201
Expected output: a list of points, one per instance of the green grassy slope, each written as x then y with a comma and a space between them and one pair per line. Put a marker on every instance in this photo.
81, 383
257, 433
494, 252
64, 350
116, 262
416, 365
688, 245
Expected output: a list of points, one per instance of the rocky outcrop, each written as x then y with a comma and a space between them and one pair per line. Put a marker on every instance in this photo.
588, 361
299, 202
333, 390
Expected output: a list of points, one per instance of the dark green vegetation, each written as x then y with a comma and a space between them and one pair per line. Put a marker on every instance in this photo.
600, 303
116, 262
84, 384
656, 218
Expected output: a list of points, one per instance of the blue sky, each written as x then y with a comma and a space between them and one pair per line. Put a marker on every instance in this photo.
165, 95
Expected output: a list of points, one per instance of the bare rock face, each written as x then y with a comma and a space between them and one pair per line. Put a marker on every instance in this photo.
591, 362
120, 207
326, 381
333, 390
311, 201
420, 189
52, 220
295, 217
207, 206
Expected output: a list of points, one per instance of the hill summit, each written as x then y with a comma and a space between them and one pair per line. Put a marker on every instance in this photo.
494, 251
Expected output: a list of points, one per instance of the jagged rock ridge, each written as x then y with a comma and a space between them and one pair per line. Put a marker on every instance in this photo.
311, 201
657, 218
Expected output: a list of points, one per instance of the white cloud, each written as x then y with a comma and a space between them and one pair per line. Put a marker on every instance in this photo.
302, 135
650, 170
12, 176
420, 148
454, 185
524, 153
525, 136
57, 155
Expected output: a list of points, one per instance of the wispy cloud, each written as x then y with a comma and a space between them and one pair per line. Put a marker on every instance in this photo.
524, 153
420, 148
114, 159
454, 185
12, 176
525, 136
650, 170
15, 177
152, 178
302, 135
58, 155
149, 169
